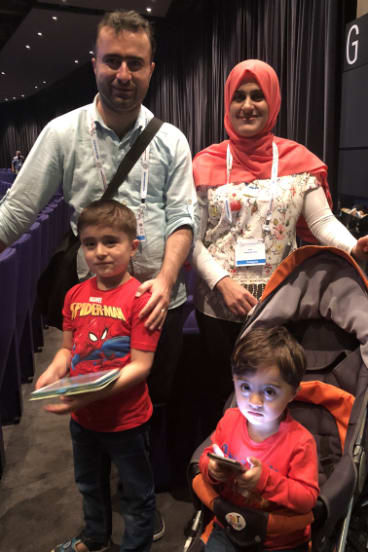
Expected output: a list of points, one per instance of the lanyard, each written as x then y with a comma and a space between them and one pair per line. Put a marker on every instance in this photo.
141, 234
274, 173
96, 152
229, 164
144, 174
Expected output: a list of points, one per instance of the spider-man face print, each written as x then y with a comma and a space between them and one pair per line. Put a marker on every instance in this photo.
99, 343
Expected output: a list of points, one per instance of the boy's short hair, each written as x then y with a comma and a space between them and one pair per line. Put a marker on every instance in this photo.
109, 212
127, 20
269, 346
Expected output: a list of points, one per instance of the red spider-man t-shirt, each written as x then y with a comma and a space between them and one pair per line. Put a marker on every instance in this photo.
105, 326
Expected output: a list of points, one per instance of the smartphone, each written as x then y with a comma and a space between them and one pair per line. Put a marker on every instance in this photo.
227, 462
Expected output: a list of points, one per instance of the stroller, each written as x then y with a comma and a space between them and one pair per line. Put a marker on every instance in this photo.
320, 295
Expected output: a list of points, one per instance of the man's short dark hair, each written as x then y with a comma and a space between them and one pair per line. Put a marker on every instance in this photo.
109, 212
263, 346
127, 20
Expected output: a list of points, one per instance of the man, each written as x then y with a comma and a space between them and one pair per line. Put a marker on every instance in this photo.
82, 150
17, 162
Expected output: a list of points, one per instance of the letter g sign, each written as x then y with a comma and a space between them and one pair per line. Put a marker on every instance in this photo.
352, 45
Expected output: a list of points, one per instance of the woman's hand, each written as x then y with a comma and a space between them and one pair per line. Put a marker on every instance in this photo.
237, 299
360, 250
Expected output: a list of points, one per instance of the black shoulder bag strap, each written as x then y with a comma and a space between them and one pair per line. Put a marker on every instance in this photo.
132, 157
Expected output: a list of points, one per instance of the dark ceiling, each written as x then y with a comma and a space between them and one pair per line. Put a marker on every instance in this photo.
41, 42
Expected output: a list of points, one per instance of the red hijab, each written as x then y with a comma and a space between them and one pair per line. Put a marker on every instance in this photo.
252, 157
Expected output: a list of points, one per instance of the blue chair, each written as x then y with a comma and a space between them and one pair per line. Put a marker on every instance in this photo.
60, 217
7, 176
10, 377
37, 325
45, 222
25, 295
4, 187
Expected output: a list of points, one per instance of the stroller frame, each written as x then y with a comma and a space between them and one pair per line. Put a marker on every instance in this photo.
321, 291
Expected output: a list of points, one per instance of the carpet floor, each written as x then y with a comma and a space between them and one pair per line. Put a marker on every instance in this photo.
39, 503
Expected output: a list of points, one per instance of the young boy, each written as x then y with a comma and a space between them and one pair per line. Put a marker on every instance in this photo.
278, 454
101, 331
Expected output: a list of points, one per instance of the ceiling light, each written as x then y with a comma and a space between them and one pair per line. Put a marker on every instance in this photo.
43, 82
39, 34
22, 95
149, 10
91, 52
6, 99
2, 72
36, 86
14, 98
76, 61
54, 17
28, 47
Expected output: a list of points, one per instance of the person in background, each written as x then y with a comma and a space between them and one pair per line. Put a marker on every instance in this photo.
17, 162
252, 190
81, 151
278, 454
101, 331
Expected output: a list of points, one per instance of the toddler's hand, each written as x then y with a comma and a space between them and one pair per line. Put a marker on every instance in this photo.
248, 480
218, 472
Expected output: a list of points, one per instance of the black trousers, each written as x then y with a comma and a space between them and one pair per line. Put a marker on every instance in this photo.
217, 338
161, 378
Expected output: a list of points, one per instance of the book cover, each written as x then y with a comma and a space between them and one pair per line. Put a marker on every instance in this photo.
84, 383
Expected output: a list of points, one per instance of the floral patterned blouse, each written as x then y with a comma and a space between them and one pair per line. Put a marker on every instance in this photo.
249, 205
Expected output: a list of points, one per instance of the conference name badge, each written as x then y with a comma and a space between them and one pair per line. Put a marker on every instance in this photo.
250, 253
141, 234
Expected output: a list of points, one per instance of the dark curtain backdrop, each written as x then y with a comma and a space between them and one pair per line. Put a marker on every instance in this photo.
301, 39
22, 121
199, 42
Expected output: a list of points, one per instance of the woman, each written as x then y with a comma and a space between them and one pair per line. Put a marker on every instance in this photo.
252, 190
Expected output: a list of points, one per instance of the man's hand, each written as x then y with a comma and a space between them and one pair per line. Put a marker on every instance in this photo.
360, 250
176, 251
238, 300
156, 307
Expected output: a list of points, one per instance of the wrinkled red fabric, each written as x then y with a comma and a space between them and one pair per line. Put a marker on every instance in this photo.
252, 157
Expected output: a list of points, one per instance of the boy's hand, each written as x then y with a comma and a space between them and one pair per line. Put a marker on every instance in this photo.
49, 376
219, 472
71, 403
59, 366
248, 480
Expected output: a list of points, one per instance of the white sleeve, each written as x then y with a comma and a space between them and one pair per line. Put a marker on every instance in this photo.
202, 261
36, 183
323, 224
